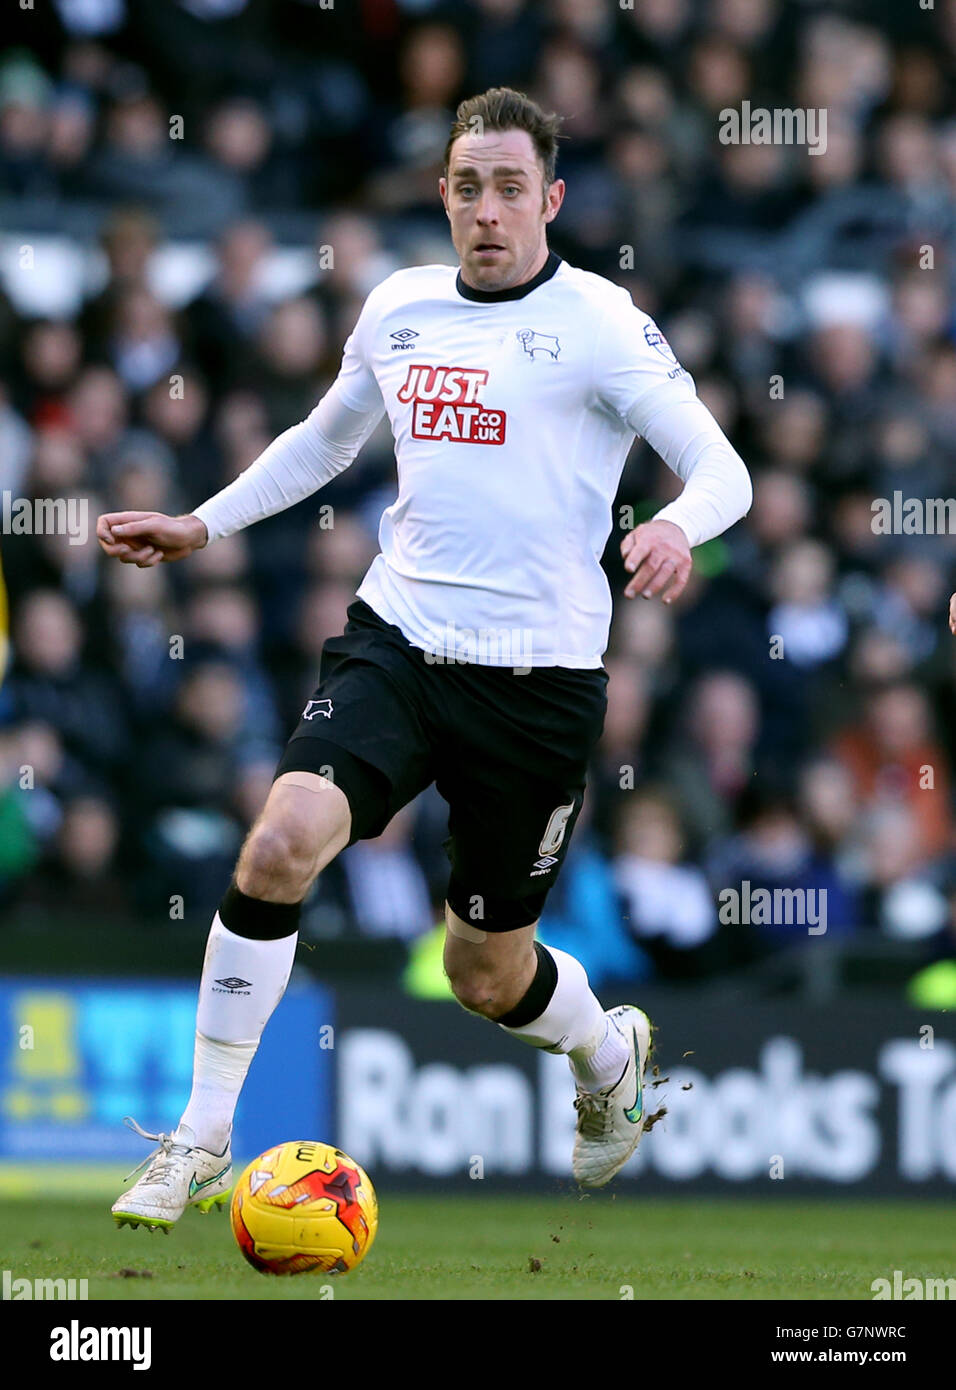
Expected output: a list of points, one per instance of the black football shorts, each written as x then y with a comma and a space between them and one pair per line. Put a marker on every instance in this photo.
508, 752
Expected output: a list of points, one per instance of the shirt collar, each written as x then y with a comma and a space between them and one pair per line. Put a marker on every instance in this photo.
517, 291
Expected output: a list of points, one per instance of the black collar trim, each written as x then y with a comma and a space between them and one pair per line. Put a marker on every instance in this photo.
517, 291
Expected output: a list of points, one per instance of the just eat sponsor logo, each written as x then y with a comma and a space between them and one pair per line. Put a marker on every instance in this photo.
445, 405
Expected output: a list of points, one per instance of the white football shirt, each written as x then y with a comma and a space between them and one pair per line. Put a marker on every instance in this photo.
512, 414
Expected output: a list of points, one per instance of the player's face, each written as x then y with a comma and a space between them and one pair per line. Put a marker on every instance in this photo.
498, 208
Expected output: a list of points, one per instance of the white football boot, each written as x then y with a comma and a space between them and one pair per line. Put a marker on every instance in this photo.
179, 1175
611, 1121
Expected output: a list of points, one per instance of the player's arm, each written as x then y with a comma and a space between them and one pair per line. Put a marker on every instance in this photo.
639, 379
952, 615
295, 465
717, 492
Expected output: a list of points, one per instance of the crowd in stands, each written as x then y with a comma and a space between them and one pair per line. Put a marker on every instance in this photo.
186, 295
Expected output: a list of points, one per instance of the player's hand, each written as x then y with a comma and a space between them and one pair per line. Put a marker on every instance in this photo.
952, 615
658, 556
149, 538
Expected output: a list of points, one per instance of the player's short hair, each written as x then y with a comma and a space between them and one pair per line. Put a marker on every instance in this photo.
502, 108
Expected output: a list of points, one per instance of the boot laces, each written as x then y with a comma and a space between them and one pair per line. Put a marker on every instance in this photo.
594, 1114
161, 1161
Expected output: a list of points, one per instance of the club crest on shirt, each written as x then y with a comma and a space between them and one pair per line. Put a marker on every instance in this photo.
533, 342
314, 707
446, 404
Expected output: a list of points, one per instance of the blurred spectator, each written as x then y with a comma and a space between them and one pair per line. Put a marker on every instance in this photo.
19, 850
895, 761
387, 889
712, 762
582, 914
225, 319
129, 239
82, 867
791, 859
668, 905
143, 345
53, 683
809, 623
411, 138
905, 897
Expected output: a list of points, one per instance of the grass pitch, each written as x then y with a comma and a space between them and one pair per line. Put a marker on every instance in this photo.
475, 1247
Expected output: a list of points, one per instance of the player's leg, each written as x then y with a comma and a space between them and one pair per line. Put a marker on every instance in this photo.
514, 798
538, 993
307, 819
542, 997
358, 753
489, 973
251, 945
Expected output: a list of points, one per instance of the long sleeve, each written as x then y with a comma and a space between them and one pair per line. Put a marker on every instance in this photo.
305, 457
296, 464
717, 487
639, 379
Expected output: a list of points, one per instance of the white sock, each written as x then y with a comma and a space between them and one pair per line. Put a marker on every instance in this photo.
230, 1021
574, 1023
219, 1071
605, 1065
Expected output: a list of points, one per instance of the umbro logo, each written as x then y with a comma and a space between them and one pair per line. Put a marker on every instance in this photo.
404, 338
542, 865
233, 985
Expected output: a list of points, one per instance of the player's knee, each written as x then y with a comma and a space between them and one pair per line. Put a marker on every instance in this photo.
276, 858
475, 992
478, 989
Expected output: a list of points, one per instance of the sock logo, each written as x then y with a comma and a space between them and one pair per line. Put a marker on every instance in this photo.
233, 985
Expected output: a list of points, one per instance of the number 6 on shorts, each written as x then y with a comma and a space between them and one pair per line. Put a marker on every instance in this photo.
554, 834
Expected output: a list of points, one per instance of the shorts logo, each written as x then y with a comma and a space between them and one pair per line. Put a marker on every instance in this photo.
445, 405
314, 707
538, 342
545, 862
